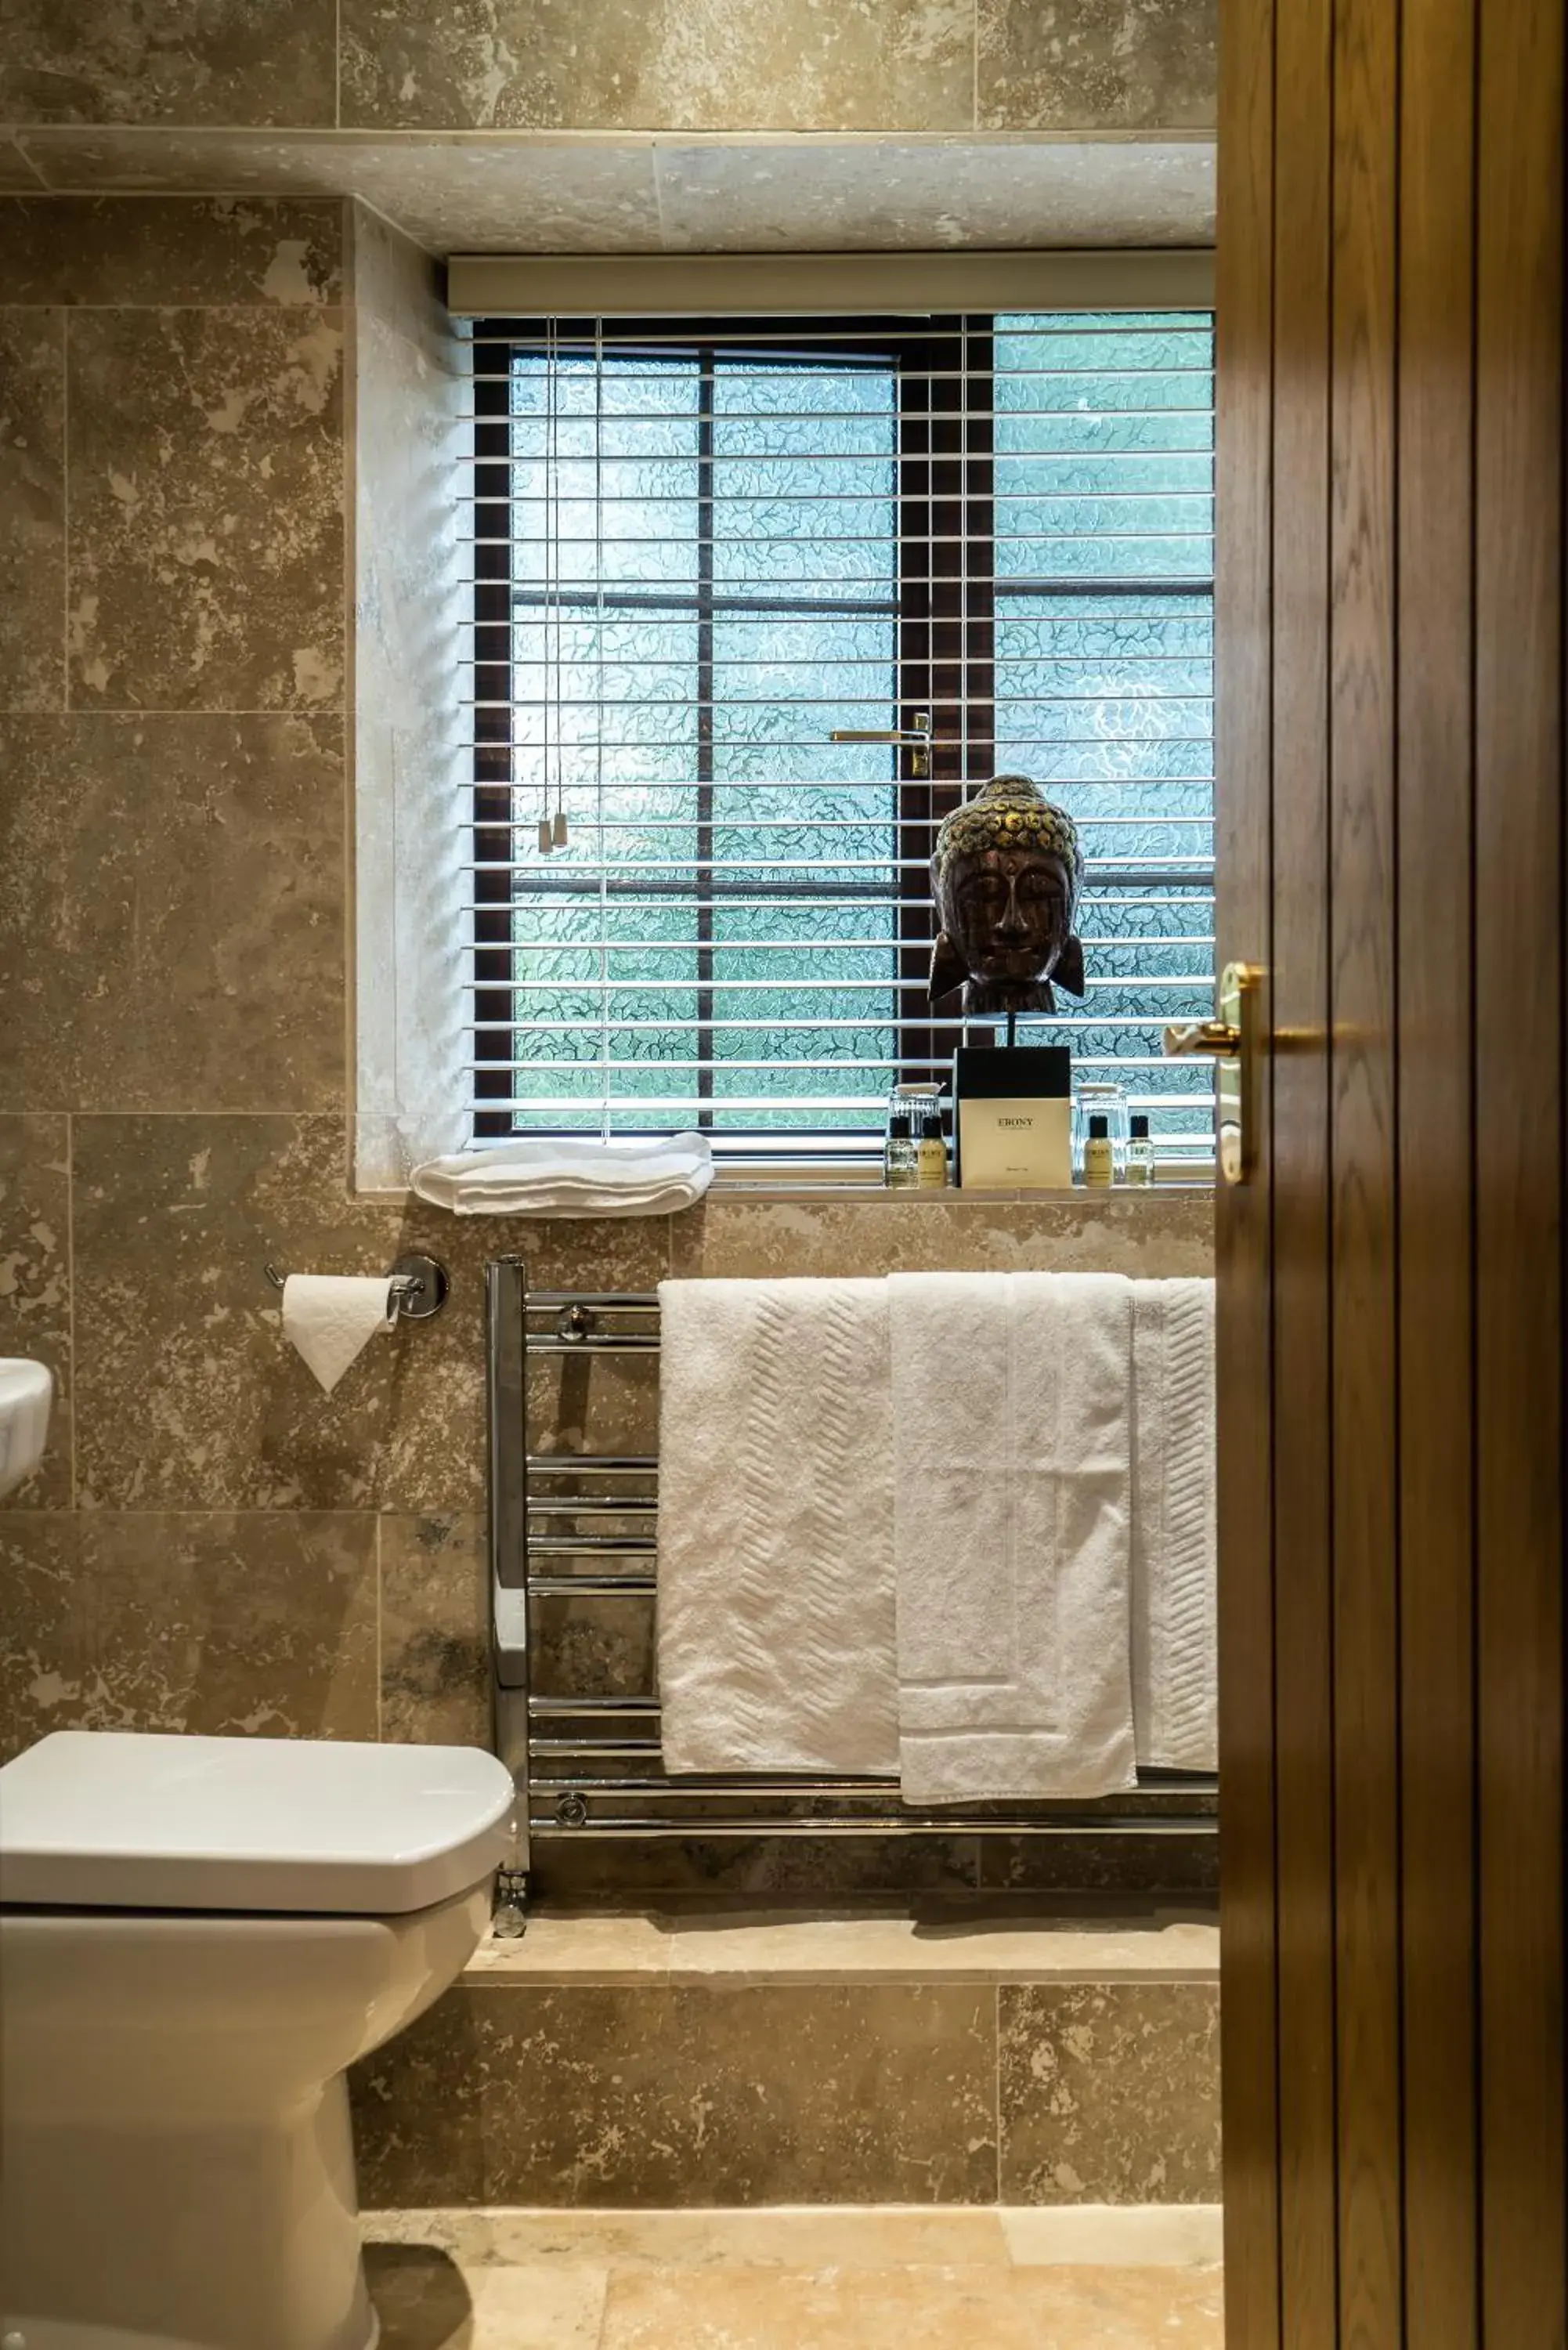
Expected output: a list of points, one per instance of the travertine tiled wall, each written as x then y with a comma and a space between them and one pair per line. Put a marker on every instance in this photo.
605, 65
211, 1545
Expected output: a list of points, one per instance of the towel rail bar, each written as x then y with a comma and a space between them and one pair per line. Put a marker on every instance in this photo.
637, 1803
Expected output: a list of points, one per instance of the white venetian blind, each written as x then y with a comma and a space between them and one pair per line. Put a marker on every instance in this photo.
708, 557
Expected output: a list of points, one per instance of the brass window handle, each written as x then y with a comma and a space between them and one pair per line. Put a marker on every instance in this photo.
1202, 1036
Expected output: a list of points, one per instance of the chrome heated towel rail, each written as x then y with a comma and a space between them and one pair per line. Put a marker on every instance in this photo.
568, 1527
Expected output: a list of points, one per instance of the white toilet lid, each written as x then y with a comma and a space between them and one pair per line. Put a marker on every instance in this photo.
118, 1820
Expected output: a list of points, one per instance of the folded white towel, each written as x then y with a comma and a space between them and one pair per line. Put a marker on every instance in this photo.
776, 1593
565, 1175
1011, 1537
1175, 1663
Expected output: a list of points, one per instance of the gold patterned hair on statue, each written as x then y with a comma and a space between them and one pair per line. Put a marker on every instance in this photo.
1007, 872
1010, 812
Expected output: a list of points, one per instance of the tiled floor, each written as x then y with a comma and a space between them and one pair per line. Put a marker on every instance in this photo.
1063, 2279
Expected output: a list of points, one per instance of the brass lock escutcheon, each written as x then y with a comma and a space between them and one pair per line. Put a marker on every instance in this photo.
1231, 1038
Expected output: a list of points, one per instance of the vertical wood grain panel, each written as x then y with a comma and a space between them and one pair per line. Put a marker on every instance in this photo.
1437, 1395
1244, 854
1364, 1419
1392, 1666
1302, 1489
1519, 1141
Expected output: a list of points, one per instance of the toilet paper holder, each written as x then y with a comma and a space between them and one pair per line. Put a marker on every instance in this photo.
420, 1286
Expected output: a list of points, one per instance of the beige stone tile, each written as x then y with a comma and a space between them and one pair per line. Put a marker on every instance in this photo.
877, 195
158, 250
1111, 2235
908, 2308
897, 1948
43, 1608
205, 495
185, 61
776, 1947
191, 1396
1114, 65
1109, 2093
595, 1948
426, 2302
594, 1648
178, 882
219, 1623
435, 1630
668, 2094
606, 64
1164, 1234
529, 193
786, 2236
33, 499
36, 1282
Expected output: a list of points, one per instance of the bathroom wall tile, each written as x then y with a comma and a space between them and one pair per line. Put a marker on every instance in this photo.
177, 882
33, 499
1109, 2093
183, 61
218, 1623
163, 250
205, 453
191, 1398
43, 1608
435, 1630
18, 174
605, 65
232, 1623
594, 1403
785, 1872
1120, 1863
679, 2095
881, 194
36, 1282
1081, 65
1168, 1233
593, 1648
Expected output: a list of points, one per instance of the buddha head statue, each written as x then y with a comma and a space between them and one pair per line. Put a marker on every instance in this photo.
1005, 876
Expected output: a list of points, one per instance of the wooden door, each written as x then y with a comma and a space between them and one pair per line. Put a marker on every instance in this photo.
1390, 718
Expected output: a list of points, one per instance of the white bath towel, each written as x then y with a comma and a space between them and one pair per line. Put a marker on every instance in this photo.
1011, 1537
1175, 1658
565, 1175
775, 1590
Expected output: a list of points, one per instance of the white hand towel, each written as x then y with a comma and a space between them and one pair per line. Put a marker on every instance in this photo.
571, 1176
331, 1316
775, 1592
1010, 1538
1175, 1658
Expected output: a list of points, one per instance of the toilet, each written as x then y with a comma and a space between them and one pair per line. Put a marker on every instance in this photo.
198, 1936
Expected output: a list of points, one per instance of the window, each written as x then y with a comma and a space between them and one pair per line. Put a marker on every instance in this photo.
756, 601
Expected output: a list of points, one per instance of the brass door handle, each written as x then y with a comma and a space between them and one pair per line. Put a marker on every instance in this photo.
1232, 1040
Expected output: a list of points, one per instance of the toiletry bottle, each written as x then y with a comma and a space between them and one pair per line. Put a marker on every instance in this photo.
933, 1154
1140, 1150
1099, 1157
900, 1161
